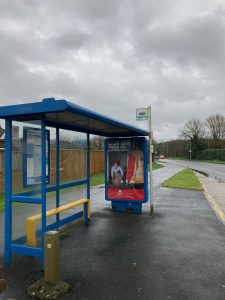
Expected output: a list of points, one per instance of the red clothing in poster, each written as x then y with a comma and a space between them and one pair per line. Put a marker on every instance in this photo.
130, 167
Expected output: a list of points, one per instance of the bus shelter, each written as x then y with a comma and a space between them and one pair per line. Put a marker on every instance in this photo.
33, 137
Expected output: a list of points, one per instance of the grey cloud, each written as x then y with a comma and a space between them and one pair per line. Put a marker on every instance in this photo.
196, 40
71, 40
114, 56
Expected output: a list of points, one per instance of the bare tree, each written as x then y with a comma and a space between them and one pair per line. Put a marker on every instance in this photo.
97, 143
193, 129
216, 128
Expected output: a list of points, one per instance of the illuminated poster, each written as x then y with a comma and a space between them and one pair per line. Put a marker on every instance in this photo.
32, 156
126, 169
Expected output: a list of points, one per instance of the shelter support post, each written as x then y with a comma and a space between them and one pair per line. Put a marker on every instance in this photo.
86, 207
43, 183
8, 190
57, 167
150, 160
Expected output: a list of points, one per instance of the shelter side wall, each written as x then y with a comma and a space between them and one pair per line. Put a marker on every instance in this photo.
71, 164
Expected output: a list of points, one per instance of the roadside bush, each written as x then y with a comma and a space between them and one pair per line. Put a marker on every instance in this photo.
211, 154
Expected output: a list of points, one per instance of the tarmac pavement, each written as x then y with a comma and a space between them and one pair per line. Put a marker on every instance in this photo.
177, 254
213, 182
215, 193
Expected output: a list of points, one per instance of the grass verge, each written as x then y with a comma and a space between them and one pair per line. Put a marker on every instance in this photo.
95, 180
2, 204
185, 179
156, 165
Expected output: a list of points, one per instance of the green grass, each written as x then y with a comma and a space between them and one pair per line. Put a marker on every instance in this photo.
156, 165
2, 205
97, 179
185, 179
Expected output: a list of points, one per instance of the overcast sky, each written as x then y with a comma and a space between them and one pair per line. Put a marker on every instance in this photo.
114, 56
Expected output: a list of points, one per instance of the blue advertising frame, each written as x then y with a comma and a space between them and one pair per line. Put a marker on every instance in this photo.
145, 152
25, 156
45, 112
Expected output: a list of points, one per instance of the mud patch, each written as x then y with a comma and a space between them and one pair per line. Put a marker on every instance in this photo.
45, 290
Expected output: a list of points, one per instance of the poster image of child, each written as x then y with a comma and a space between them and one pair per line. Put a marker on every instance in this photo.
117, 174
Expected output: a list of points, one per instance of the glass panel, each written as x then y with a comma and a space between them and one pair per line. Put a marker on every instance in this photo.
52, 158
71, 194
72, 156
22, 162
20, 213
50, 204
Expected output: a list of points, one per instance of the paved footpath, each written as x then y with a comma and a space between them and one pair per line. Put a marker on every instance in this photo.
215, 193
177, 254
213, 184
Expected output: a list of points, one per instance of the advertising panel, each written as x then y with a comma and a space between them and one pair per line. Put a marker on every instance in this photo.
126, 169
32, 156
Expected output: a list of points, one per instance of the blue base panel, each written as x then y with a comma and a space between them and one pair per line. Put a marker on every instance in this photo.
134, 208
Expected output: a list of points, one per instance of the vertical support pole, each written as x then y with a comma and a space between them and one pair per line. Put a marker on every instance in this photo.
57, 168
88, 181
43, 184
8, 190
150, 159
146, 163
106, 168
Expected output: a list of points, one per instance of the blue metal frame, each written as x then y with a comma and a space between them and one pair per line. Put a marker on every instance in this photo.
145, 152
43, 184
53, 188
57, 168
87, 221
25, 130
26, 199
8, 190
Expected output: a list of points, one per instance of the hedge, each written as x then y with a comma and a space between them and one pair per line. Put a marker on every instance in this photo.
211, 154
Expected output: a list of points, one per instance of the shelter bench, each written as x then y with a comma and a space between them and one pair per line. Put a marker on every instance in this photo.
31, 221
